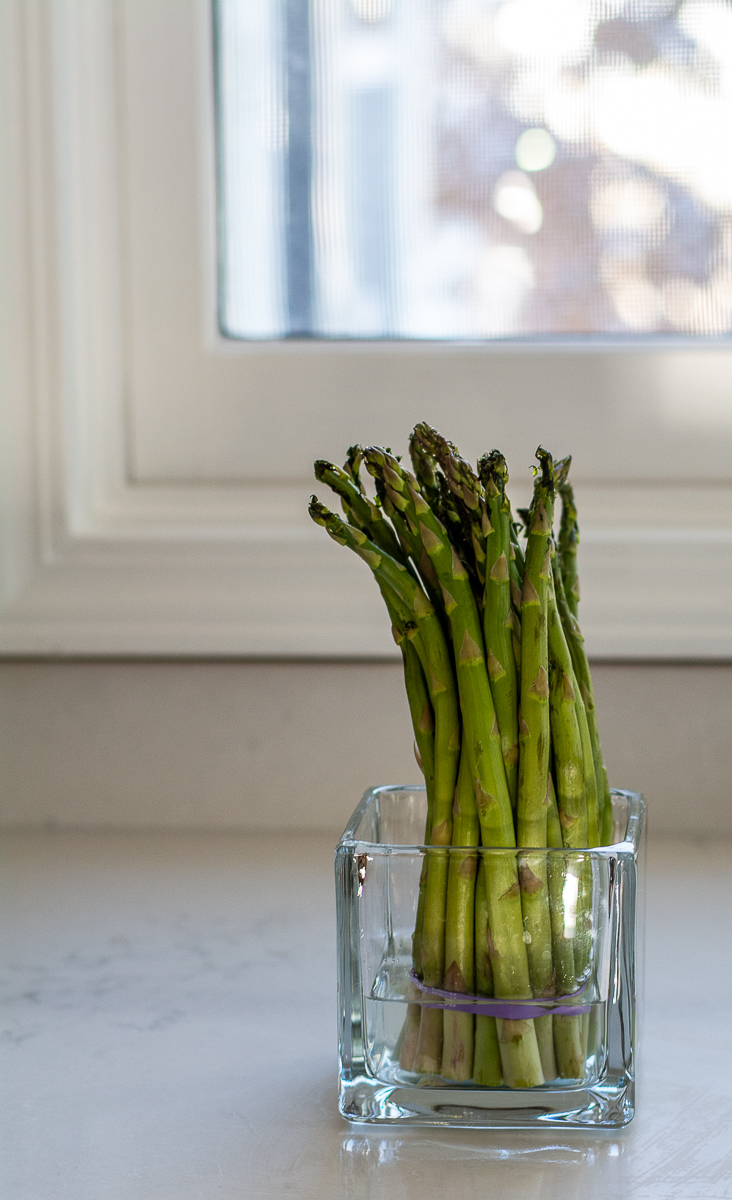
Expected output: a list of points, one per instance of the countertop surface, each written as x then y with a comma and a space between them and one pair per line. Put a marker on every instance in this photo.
168, 1033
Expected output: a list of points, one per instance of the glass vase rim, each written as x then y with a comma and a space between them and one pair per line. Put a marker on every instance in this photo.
628, 846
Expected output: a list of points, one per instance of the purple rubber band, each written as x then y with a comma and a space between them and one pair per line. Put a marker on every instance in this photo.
486, 1006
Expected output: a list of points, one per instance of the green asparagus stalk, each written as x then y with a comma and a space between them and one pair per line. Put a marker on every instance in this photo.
583, 675
457, 1050
457, 1053
487, 1071
481, 740
499, 623
426, 633
534, 791
412, 546
567, 544
458, 504
575, 771
564, 882
425, 465
534, 719
569, 1041
424, 739
423, 719
466, 492
486, 513
359, 510
566, 736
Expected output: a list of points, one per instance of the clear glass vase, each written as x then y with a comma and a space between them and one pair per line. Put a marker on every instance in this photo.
473, 1052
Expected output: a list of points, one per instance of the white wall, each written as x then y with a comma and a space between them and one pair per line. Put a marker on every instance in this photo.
272, 745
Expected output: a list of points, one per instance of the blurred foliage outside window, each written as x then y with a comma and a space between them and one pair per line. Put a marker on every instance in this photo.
474, 169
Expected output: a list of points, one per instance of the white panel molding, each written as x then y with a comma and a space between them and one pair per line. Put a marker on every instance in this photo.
95, 563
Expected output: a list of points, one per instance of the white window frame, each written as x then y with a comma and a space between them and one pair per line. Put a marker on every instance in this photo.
133, 528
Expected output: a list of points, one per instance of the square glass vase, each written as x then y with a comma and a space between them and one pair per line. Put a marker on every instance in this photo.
497, 1055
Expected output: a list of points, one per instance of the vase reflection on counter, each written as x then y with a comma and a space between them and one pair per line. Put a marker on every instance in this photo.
477, 1053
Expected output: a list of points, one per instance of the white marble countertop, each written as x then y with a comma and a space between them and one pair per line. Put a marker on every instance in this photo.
168, 1033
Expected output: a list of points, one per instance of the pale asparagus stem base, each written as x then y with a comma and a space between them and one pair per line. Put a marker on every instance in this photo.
545, 1039
410, 1033
428, 1058
519, 1049
533, 874
570, 1044
487, 1070
458, 1045
487, 1063
520, 1056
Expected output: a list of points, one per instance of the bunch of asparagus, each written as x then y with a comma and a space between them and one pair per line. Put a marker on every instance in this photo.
505, 729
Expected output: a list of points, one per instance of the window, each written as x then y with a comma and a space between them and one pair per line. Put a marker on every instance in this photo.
475, 168
158, 472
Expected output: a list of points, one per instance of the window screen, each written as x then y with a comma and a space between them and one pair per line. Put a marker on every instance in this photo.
474, 169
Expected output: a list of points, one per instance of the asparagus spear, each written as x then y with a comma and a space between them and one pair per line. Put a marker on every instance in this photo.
426, 633
575, 769
456, 501
487, 1064
567, 544
570, 1042
424, 465
499, 624
584, 680
486, 513
566, 736
534, 735
466, 491
412, 546
359, 510
480, 729
457, 1054
481, 741
457, 1051
568, 1030
424, 740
